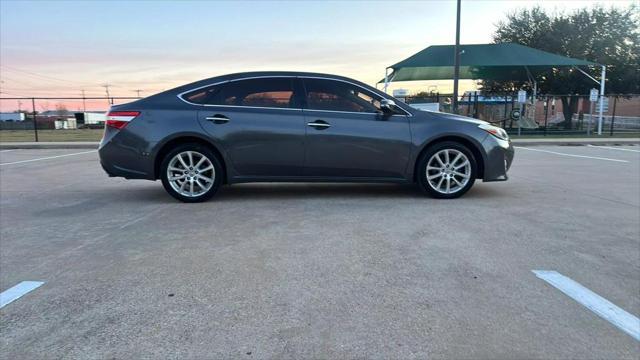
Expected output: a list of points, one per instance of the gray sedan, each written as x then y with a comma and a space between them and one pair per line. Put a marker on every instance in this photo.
293, 126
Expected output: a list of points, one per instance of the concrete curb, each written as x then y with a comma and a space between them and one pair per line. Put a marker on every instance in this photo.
576, 142
517, 142
49, 145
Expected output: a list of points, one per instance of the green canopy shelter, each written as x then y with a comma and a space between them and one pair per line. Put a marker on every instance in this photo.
505, 61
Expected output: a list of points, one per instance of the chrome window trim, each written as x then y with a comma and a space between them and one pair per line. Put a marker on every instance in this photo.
279, 108
349, 112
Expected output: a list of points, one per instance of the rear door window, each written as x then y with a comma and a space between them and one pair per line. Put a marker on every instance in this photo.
259, 92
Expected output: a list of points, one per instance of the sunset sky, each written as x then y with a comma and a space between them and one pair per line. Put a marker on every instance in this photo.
58, 48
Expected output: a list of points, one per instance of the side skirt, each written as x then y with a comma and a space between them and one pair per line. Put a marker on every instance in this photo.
248, 179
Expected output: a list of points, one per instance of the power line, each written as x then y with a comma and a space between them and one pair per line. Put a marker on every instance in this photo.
40, 75
38, 93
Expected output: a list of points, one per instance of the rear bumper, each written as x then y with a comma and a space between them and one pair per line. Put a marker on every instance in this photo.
499, 158
124, 157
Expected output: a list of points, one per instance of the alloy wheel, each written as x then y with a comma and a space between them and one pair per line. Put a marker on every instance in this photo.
448, 171
191, 173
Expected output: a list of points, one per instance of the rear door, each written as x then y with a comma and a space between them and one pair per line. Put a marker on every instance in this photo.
347, 136
259, 123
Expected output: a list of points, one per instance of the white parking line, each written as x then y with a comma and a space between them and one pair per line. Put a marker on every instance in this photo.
571, 155
7, 150
592, 301
612, 148
17, 291
47, 158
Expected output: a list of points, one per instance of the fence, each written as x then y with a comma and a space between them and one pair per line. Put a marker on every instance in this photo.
543, 116
37, 122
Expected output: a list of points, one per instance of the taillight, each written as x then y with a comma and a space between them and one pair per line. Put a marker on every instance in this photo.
120, 119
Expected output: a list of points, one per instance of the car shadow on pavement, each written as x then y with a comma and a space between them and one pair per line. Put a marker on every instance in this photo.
339, 190
315, 190
275, 191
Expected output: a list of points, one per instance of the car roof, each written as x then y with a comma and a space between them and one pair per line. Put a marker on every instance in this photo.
241, 75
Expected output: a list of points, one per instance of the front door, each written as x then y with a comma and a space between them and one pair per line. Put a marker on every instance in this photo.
348, 137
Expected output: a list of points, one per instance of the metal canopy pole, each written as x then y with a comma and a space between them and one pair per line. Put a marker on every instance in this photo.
456, 62
533, 101
386, 79
534, 86
601, 106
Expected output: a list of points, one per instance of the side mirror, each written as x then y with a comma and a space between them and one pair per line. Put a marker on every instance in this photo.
388, 106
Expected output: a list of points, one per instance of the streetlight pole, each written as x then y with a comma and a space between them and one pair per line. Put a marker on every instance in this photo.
456, 61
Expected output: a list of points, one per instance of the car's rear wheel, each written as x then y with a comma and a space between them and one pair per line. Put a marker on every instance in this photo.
191, 173
447, 170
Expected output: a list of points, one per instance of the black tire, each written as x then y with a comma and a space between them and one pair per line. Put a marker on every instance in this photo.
210, 155
430, 189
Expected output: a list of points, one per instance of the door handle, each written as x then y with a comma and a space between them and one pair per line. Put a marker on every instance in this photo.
319, 125
218, 119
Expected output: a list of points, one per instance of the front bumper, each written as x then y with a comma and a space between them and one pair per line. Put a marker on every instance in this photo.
499, 158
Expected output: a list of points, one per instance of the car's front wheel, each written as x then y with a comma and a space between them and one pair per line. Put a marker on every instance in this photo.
447, 170
191, 173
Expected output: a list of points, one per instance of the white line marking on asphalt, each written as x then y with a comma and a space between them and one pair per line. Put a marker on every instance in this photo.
17, 291
572, 155
592, 301
7, 150
47, 158
612, 148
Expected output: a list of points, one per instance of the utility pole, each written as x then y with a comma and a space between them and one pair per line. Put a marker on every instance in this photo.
106, 89
138, 91
84, 104
456, 62
19, 106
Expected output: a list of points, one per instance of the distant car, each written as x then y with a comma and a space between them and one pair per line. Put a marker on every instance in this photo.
293, 126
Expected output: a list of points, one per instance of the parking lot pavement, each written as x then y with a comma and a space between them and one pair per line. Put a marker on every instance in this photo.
319, 270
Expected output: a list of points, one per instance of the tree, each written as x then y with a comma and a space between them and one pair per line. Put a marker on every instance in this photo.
606, 36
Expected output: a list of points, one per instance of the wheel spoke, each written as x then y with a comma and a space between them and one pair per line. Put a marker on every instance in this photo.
202, 177
177, 177
434, 168
206, 169
179, 156
448, 185
438, 159
455, 160
191, 187
173, 168
202, 187
434, 176
446, 157
466, 176
440, 182
457, 182
197, 165
190, 156
182, 186
463, 165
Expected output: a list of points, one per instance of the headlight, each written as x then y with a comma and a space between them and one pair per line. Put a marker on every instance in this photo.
498, 132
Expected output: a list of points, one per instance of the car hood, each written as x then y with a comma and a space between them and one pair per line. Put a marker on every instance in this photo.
458, 118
